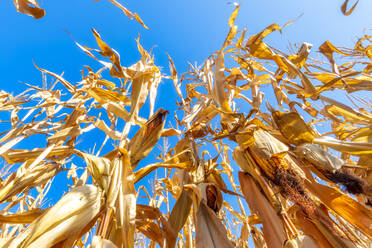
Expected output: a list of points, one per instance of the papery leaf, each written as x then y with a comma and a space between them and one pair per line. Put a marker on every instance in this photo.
23, 217
128, 12
209, 231
116, 70
127, 201
100, 168
293, 127
29, 7
343, 205
344, 7
348, 147
258, 48
327, 48
178, 217
273, 229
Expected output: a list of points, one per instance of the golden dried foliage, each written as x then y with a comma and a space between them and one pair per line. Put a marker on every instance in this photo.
278, 156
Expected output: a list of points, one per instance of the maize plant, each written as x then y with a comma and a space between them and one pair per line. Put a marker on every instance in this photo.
249, 166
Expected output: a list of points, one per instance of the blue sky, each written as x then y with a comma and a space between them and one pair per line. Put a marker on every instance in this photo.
189, 30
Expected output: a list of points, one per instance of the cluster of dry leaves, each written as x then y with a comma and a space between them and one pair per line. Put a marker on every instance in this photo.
32, 8
303, 188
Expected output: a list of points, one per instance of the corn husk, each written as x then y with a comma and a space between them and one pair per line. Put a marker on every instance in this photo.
301, 241
65, 221
272, 226
209, 231
319, 158
99, 242
146, 138
266, 145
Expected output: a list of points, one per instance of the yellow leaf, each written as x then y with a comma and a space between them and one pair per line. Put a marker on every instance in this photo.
273, 229
344, 7
103, 96
22, 155
258, 48
220, 84
141, 173
327, 48
29, 7
343, 146
117, 69
170, 132
100, 169
178, 217
209, 231
128, 13
127, 201
233, 29
23, 217
344, 206
293, 127
66, 220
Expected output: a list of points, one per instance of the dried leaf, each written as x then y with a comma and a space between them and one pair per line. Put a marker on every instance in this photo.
23, 217
300, 241
127, 201
293, 127
352, 211
29, 7
116, 70
273, 229
319, 158
100, 168
209, 231
98, 242
178, 217
28, 179
344, 7
348, 147
220, 84
258, 48
128, 13
22, 155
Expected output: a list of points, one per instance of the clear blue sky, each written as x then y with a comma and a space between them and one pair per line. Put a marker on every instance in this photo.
189, 30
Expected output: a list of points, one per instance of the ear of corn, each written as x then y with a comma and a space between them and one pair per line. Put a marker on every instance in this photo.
65, 221
147, 137
300, 241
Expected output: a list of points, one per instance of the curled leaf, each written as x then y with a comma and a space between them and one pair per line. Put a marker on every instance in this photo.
344, 8
128, 13
29, 7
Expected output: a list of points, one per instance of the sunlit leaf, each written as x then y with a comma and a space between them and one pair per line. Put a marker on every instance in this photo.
344, 7
29, 7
